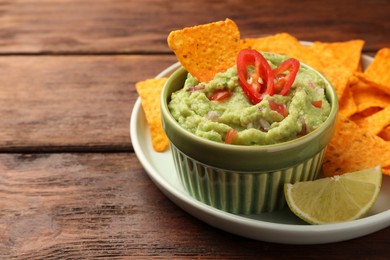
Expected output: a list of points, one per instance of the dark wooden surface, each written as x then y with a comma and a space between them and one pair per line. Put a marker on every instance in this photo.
70, 183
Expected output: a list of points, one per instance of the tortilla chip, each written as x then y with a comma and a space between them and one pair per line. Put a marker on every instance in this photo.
342, 54
352, 149
205, 50
282, 43
385, 133
365, 113
150, 91
366, 94
378, 70
347, 105
376, 122
337, 61
365, 79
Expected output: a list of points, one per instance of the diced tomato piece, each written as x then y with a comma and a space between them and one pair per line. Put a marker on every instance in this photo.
231, 135
220, 95
280, 108
317, 103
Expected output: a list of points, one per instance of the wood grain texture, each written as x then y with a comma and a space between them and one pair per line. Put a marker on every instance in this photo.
71, 186
88, 206
141, 26
70, 102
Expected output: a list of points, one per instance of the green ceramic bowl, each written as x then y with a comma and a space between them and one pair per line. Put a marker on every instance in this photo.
243, 179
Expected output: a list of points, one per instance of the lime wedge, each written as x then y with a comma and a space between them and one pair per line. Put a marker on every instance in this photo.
335, 199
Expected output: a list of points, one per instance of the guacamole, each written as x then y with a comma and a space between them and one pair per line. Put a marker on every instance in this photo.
305, 108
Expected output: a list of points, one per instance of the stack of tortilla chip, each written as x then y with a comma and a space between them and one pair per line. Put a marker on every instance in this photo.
362, 138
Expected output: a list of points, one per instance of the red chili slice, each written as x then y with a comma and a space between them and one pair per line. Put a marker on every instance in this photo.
261, 82
283, 81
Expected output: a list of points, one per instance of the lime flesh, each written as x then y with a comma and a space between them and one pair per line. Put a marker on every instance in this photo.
335, 199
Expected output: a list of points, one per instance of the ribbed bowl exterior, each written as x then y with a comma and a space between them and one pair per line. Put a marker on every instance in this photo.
241, 192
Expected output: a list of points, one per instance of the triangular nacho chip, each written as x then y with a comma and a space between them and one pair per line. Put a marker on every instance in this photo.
366, 94
347, 105
367, 80
345, 55
352, 149
205, 50
385, 133
150, 91
282, 43
379, 69
338, 61
376, 122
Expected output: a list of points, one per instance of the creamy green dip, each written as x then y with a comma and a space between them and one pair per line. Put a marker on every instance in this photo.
256, 124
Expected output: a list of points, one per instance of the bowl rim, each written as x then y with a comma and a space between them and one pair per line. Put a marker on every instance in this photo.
291, 144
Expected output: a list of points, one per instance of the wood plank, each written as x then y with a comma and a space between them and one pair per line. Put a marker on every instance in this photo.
85, 206
70, 103
105, 26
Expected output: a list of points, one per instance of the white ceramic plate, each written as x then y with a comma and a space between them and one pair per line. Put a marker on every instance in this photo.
280, 227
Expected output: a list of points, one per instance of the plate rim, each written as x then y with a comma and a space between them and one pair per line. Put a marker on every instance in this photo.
240, 225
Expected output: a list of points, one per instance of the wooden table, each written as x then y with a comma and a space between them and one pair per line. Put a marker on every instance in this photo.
71, 185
